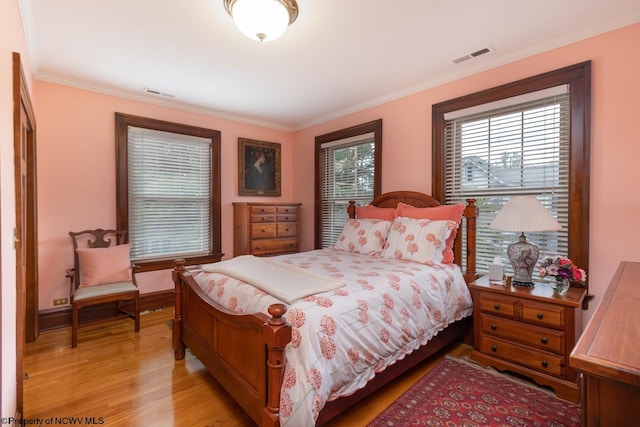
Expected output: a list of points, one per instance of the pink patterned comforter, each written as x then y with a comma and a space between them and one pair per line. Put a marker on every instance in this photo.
343, 337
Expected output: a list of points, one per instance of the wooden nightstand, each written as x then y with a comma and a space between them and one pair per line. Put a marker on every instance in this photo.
529, 331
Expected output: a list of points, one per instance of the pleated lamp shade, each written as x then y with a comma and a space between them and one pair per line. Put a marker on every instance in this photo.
522, 214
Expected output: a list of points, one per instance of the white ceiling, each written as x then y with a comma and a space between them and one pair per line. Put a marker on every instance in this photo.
338, 57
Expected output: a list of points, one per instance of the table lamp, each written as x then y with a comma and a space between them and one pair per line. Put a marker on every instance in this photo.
523, 214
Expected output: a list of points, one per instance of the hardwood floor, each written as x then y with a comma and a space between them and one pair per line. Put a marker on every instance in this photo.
116, 377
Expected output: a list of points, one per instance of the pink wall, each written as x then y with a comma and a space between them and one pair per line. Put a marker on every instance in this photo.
76, 174
75, 127
615, 144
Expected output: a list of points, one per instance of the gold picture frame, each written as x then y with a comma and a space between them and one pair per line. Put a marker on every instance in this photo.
258, 168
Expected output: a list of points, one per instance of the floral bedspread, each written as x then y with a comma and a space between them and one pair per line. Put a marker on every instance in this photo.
343, 337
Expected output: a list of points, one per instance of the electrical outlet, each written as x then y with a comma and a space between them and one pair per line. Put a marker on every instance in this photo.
60, 301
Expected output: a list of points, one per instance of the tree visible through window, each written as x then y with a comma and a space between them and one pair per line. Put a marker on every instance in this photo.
347, 168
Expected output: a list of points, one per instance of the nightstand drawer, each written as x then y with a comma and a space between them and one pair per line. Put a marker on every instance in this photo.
263, 231
535, 336
497, 304
543, 314
548, 363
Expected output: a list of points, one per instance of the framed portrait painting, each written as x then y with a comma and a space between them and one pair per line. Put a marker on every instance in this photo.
258, 168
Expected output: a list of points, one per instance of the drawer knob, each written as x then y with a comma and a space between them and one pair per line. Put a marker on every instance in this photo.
286, 218
544, 364
494, 348
263, 218
264, 230
258, 247
494, 327
286, 229
539, 316
496, 306
544, 340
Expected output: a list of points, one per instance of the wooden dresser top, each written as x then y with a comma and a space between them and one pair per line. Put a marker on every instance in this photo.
610, 345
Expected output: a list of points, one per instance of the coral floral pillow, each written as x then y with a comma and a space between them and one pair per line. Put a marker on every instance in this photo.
365, 236
374, 212
418, 240
99, 266
443, 212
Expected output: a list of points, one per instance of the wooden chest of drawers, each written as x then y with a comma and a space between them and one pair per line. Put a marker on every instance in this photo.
265, 228
529, 331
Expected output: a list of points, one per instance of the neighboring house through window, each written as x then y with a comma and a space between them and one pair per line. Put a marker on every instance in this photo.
168, 191
348, 164
528, 137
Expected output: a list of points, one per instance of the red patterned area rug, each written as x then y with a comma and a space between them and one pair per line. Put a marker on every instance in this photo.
456, 393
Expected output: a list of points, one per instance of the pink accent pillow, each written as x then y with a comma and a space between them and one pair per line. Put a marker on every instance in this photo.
364, 236
374, 212
418, 240
443, 212
99, 266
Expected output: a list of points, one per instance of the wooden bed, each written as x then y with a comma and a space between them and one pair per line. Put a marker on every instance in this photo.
246, 353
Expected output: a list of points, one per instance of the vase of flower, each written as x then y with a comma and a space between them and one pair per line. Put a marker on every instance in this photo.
563, 270
561, 285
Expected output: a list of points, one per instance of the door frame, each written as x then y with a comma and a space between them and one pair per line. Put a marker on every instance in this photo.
26, 236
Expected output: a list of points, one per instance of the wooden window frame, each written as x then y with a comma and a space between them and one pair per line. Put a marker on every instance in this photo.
374, 126
123, 121
578, 77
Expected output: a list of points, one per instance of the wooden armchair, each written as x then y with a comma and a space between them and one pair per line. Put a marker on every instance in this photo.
102, 273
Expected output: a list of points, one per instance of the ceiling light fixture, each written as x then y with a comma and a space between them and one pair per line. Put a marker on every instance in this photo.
262, 20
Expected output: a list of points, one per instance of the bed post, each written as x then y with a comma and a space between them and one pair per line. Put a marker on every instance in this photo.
471, 214
351, 209
178, 345
277, 334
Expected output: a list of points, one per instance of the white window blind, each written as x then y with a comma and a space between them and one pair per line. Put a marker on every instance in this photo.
347, 173
517, 148
169, 194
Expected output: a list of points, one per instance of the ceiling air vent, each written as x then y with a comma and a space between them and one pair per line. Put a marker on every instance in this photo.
156, 92
472, 55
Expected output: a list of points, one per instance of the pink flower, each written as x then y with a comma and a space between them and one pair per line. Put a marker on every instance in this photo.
384, 335
290, 377
561, 268
328, 347
353, 355
296, 317
314, 378
328, 325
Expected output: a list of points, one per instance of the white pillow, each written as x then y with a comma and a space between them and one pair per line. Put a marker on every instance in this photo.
365, 236
418, 240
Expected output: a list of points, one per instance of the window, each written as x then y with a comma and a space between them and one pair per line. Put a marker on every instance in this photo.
348, 164
527, 137
168, 191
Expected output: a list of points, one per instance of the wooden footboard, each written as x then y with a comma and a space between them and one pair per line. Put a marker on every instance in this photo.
245, 353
